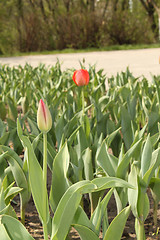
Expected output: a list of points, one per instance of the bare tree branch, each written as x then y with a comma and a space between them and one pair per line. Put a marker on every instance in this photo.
156, 7
42, 9
145, 5
105, 9
32, 4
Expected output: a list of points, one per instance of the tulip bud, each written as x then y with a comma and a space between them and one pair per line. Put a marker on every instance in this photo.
81, 77
44, 119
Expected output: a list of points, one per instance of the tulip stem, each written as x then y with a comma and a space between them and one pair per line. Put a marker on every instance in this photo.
140, 230
155, 208
83, 111
23, 208
45, 231
45, 183
45, 159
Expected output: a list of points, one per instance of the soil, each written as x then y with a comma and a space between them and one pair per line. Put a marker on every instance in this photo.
34, 226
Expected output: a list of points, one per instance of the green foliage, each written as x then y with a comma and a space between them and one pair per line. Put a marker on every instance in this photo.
115, 230
17, 167
110, 139
13, 229
124, 27
35, 177
60, 182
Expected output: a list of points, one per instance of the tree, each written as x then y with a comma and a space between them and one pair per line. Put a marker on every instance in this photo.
151, 6
157, 9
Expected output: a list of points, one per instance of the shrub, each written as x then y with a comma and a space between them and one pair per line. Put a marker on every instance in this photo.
77, 30
125, 27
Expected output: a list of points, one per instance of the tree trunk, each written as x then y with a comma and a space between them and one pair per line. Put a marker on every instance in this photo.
42, 9
159, 27
150, 9
20, 23
157, 9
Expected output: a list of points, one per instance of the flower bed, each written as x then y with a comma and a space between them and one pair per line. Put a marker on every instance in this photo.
101, 148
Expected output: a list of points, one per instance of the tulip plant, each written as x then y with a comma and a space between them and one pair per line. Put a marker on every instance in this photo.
81, 79
44, 121
18, 173
63, 194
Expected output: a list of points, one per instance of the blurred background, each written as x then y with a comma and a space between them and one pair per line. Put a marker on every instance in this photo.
45, 25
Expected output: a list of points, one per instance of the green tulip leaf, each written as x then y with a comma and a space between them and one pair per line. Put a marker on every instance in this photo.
109, 182
123, 165
146, 156
87, 161
154, 163
126, 127
154, 139
67, 208
81, 218
4, 234
16, 166
133, 193
85, 233
35, 177
111, 137
59, 129
155, 186
60, 182
115, 229
11, 193
99, 212
15, 229
106, 162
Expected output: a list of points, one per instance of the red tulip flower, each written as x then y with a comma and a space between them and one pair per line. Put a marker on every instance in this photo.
81, 77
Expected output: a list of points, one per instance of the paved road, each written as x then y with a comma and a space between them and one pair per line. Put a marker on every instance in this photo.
140, 62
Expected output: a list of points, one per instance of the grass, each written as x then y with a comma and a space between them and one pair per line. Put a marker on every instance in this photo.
70, 50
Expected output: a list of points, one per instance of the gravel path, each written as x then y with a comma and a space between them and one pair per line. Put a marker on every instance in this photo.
140, 62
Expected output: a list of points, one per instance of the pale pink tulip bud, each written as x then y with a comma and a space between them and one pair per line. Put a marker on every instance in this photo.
81, 77
44, 119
